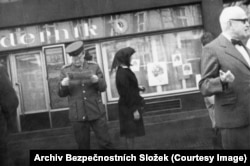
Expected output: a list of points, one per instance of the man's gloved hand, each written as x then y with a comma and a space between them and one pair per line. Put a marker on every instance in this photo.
226, 76
94, 79
65, 81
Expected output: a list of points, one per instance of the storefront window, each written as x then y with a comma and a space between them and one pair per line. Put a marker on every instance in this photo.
54, 57
30, 81
164, 64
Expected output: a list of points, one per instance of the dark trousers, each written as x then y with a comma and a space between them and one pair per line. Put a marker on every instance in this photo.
236, 138
217, 144
100, 128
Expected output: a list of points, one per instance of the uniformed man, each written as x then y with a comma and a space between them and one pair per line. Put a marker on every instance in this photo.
82, 82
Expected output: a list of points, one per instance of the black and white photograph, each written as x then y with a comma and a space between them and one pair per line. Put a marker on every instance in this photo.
129, 81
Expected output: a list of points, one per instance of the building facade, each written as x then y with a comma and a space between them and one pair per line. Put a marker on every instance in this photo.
165, 34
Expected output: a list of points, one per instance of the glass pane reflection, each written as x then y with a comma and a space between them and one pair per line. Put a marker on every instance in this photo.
164, 64
31, 81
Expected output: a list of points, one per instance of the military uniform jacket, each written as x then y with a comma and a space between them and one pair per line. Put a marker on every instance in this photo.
84, 97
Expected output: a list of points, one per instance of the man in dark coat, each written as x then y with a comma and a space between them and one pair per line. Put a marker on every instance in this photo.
82, 82
8, 106
206, 38
225, 69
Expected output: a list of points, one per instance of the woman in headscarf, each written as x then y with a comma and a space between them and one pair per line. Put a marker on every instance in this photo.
130, 102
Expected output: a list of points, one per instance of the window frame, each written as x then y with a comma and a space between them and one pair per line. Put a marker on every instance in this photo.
66, 60
15, 81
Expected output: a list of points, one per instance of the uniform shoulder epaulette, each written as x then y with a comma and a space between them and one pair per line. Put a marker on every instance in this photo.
91, 62
65, 66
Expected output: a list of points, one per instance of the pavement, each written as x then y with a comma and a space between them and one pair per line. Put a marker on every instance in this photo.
189, 130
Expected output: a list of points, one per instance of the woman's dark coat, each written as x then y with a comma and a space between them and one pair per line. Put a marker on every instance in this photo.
129, 101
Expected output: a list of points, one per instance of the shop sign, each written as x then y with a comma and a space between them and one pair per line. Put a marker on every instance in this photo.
100, 27
45, 34
57, 33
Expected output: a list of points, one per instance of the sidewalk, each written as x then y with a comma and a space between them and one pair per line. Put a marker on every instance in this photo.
189, 130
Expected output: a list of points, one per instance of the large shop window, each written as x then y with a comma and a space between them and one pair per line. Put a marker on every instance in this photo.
31, 82
164, 64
